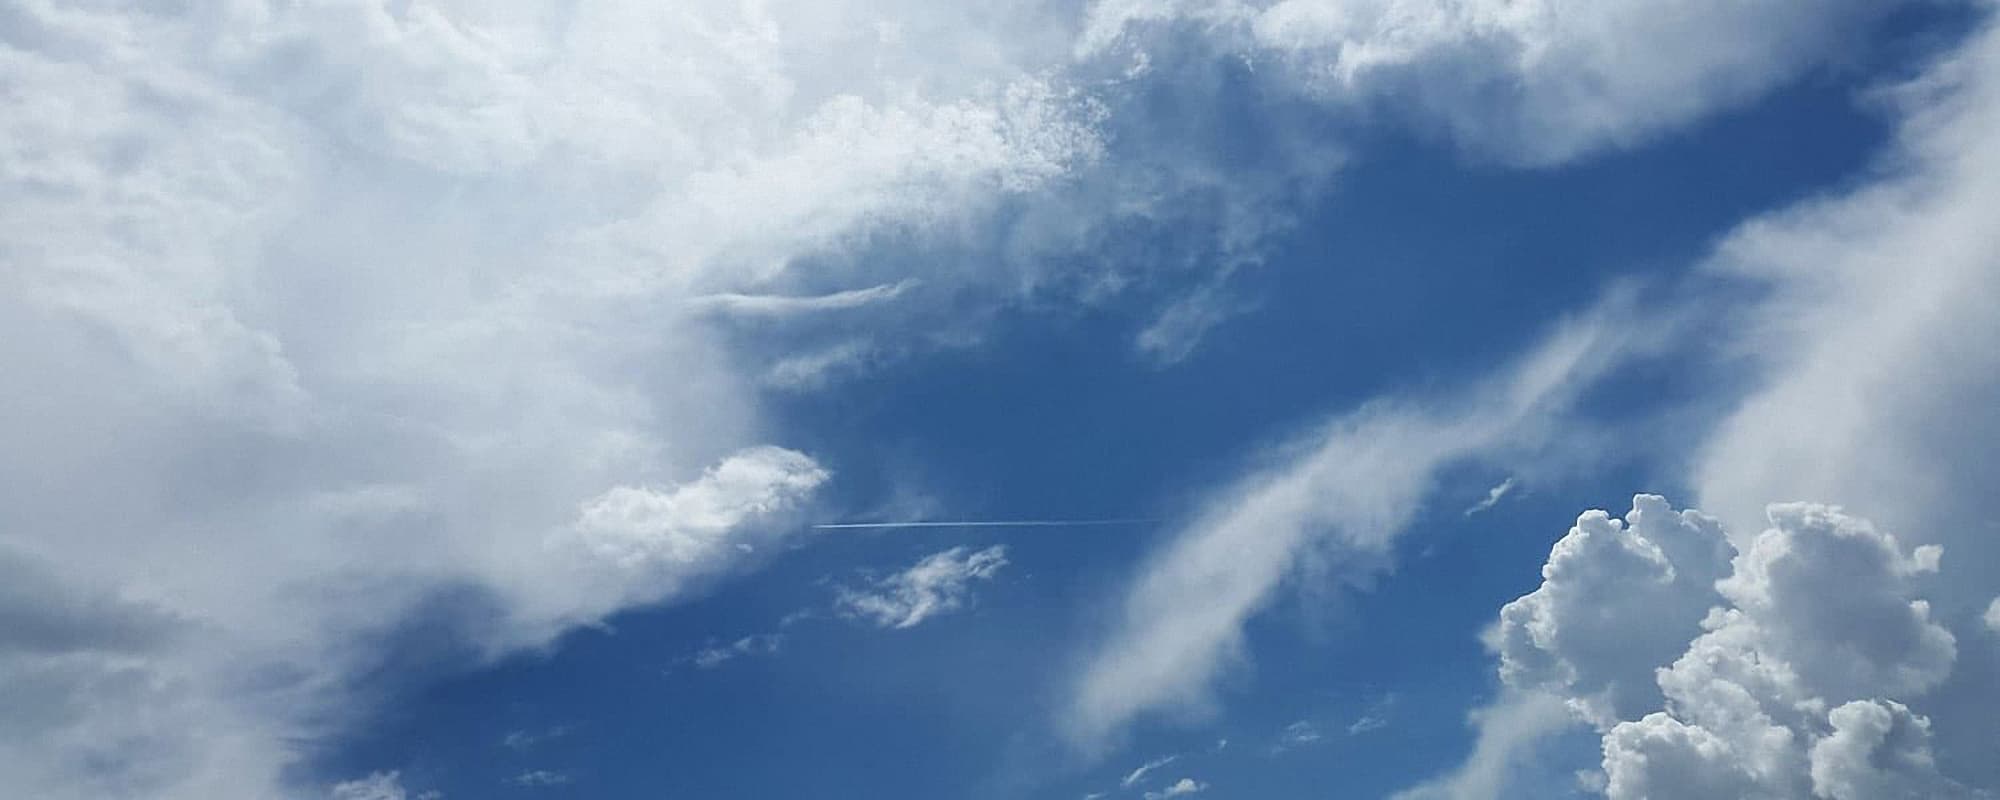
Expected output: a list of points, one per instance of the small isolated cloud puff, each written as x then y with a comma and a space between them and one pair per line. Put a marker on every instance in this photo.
1180, 788
1992, 617
1366, 724
1376, 717
939, 584
1791, 672
640, 544
1298, 734
692, 523
1492, 498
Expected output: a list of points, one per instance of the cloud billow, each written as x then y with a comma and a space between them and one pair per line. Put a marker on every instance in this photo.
331, 309
1787, 668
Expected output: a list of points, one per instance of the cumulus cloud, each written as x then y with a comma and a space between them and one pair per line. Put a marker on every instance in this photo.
637, 527
938, 584
1786, 667
1877, 749
1573, 636
1992, 616
1821, 631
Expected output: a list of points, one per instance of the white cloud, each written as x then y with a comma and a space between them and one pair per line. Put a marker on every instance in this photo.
1875, 389
337, 314
539, 778
1298, 734
1534, 82
1846, 335
1876, 382
636, 526
1375, 718
1492, 497
717, 655
1873, 295
1507, 732
1877, 749
782, 305
1795, 681
1820, 632
1139, 774
523, 740
938, 584
1337, 498
1992, 616
1573, 636
1179, 788
815, 368
343, 312
1179, 328
379, 786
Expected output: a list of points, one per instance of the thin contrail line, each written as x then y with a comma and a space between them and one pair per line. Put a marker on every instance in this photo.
996, 523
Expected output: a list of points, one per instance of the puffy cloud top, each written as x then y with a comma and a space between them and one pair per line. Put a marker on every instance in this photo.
1789, 675
1574, 634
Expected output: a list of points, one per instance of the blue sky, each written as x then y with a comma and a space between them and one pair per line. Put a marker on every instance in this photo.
438, 400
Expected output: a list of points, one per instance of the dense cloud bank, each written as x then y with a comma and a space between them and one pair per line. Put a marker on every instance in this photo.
321, 318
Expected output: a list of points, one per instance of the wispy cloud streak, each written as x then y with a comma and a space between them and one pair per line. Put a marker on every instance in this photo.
779, 305
1492, 498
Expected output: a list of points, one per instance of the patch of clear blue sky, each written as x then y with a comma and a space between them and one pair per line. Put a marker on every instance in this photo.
1415, 268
